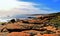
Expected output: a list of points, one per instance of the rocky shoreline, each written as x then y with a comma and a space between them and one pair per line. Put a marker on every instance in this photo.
35, 26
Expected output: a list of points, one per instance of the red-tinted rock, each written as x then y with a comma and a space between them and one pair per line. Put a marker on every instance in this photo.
50, 35
18, 34
12, 26
38, 35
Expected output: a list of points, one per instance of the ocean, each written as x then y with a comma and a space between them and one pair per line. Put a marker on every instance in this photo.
6, 19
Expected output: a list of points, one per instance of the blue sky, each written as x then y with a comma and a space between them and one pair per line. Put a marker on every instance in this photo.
52, 4
12, 7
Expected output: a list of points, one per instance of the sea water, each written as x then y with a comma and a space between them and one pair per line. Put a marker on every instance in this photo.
6, 19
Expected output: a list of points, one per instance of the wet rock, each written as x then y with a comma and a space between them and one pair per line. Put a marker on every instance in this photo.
12, 20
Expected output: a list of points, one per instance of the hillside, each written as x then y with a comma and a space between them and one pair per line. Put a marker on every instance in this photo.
48, 25
56, 20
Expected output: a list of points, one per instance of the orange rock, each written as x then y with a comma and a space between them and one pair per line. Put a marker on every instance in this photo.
47, 35
57, 31
38, 35
50, 28
31, 21
18, 34
31, 31
39, 16
50, 35
12, 26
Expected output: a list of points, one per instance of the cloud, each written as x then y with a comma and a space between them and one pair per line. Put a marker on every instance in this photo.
12, 7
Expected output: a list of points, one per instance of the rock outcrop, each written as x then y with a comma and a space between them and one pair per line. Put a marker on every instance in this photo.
37, 26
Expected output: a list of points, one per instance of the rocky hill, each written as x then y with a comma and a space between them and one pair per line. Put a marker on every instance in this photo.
48, 25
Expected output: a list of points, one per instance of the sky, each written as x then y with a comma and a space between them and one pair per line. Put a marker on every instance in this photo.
12, 7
